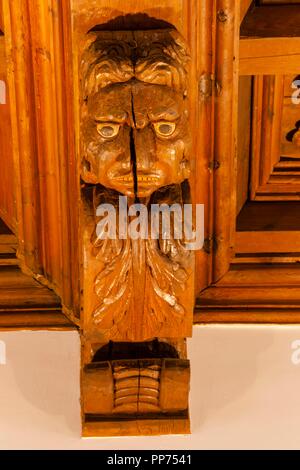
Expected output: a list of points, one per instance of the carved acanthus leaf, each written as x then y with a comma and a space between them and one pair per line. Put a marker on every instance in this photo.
164, 267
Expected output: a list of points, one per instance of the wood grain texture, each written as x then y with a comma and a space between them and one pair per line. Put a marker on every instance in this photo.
133, 290
267, 56
252, 294
271, 22
267, 242
8, 246
270, 39
194, 21
44, 182
151, 426
142, 288
201, 32
26, 304
248, 275
1, 17
7, 180
22, 119
225, 131
129, 390
244, 140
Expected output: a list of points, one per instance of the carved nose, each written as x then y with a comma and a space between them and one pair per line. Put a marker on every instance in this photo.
145, 148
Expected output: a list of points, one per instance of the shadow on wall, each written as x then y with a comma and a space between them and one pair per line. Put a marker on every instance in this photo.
46, 366
225, 361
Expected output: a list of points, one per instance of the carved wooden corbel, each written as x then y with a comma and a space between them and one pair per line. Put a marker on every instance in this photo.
137, 294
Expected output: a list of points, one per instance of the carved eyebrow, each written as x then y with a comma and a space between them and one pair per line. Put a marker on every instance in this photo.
112, 118
164, 116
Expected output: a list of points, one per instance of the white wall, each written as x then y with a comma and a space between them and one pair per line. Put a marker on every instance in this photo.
245, 391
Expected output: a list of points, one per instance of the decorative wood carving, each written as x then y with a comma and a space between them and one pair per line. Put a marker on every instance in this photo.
135, 143
54, 222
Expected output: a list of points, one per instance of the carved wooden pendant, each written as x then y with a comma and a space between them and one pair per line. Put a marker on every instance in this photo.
137, 291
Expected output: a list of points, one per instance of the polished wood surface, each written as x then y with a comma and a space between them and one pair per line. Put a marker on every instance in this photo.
7, 180
135, 143
270, 40
24, 302
244, 59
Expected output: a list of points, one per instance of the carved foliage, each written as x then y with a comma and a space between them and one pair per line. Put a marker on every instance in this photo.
142, 283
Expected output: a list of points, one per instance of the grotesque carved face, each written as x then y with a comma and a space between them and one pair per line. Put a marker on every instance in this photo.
135, 133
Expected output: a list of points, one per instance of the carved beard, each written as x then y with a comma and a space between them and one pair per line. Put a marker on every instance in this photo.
142, 279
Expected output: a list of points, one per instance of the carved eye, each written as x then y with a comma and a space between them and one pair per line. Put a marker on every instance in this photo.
108, 130
164, 128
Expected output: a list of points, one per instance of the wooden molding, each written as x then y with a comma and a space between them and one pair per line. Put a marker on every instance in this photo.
275, 168
26, 304
252, 294
270, 40
36, 78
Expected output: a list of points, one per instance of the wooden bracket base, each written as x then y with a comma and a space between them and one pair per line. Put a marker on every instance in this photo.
158, 424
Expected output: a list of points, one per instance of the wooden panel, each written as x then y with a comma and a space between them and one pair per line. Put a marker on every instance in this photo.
267, 242
1, 18
22, 118
268, 216
291, 122
8, 246
270, 40
225, 144
278, 275
252, 294
275, 163
200, 37
98, 388
46, 205
250, 297
152, 426
266, 128
175, 376
245, 315
7, 180
47, 319
268, 228
271, 22
266, 56
26, 304
19, 290
244, 129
